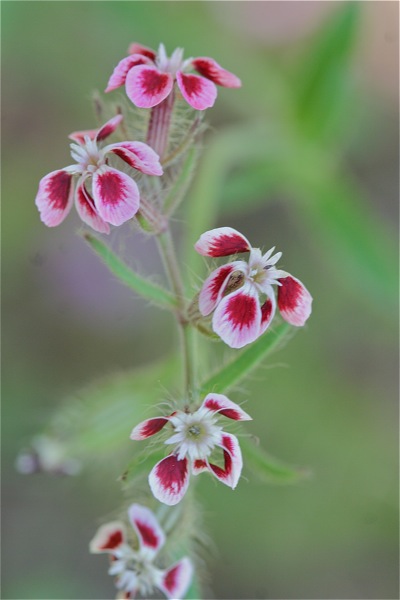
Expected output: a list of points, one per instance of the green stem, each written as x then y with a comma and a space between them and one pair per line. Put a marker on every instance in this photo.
168, 254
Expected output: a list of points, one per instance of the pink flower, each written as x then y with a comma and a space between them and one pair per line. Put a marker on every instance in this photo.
114, 196
134, 569
149, 77
195, 435
241, 294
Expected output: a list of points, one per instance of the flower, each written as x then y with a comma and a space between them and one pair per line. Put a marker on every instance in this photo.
149, 77
47, 455
134, 569
195, 437
114, 196
241, 294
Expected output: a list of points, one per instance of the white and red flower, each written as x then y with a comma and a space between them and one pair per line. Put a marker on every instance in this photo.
241, 293
149, 77
134, 568
195, 436
114, 196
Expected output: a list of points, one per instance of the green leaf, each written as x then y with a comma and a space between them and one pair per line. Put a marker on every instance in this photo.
247, 360
325, 80
268, 468
95, 423
139, 284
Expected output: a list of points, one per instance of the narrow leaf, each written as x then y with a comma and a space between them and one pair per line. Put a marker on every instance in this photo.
126, 275
238, 368
268, 468
325, 80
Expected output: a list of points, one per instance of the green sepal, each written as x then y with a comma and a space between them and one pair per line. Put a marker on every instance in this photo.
267, 468
126, 275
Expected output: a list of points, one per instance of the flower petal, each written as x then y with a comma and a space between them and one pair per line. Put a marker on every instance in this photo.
138, 155
222, 241
120, 72
176, 580
108, 537
115, 194
294, 301
169, 479
209, 68
214, 286
79, 136
199, 465
108, 128
149, 532
135, 48
237, 318
230, 474
267, 313
199, 92
55, 197
222, 404
86, 210
147, 86
148, 428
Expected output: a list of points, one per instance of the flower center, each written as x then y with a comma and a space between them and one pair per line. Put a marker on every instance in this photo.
87, 155
195, 434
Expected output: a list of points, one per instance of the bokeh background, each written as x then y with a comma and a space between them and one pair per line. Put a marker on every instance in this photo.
304, 157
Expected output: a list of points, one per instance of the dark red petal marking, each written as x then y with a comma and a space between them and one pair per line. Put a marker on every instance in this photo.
289, 293
241, 310
199, 464
135, 48
153, 82
171, 578
148, 536
223, 473
231, 413
109, 127
110, 185
153, 426
172, 472
218, 281
58, 189
115, 539
227, 245
209, 68
266, 311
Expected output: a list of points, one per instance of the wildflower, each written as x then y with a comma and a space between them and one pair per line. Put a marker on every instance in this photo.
195, 437
47, 455
114, 197
149, 77
241, 294
134, 569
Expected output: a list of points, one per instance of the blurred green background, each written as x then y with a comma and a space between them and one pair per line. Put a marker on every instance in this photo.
303, 157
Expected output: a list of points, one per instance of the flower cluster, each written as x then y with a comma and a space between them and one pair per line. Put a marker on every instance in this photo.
241, 294
149, 77
134, 569
114, 197
195, 435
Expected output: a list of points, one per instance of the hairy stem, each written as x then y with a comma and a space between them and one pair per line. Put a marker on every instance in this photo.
159, 125
167, 251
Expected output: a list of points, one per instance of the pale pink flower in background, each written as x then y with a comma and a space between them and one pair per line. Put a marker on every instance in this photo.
114, 196
241, 294
195, 435
149, 77
134, 570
